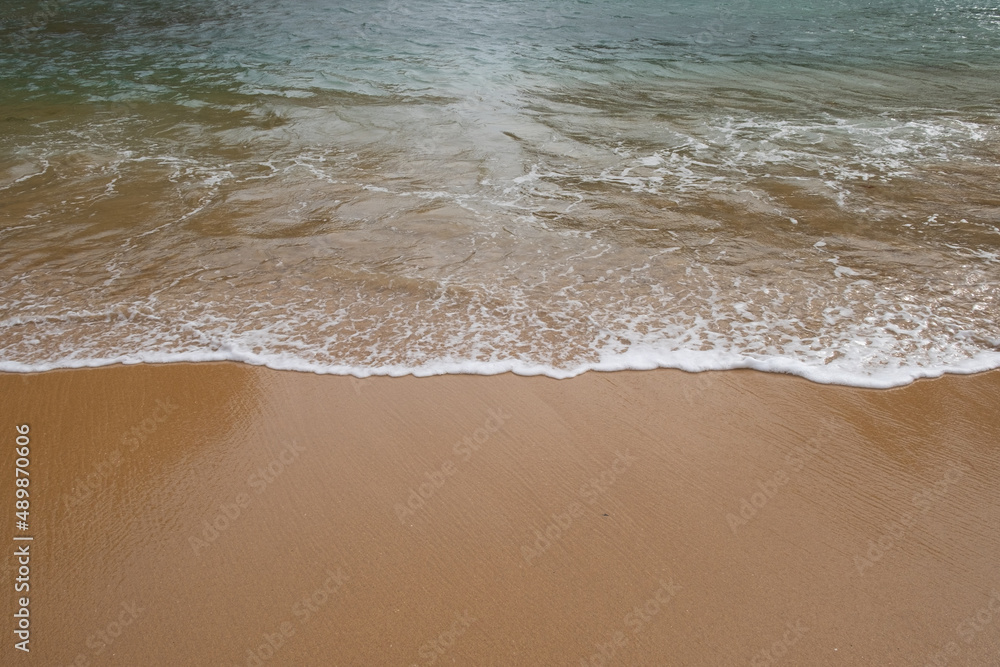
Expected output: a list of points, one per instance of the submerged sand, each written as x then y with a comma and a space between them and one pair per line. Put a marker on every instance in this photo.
220, 514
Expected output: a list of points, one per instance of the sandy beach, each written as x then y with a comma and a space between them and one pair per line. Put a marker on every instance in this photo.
512, 333
222, 514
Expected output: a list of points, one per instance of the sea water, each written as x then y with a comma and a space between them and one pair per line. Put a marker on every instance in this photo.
543, 186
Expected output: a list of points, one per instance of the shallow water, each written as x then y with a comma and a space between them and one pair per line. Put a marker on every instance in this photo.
546, 187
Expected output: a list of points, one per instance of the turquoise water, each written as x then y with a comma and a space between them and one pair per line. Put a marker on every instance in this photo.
393, 187
207, 51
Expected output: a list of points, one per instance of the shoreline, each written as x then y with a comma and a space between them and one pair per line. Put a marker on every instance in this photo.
240, 514
694, 362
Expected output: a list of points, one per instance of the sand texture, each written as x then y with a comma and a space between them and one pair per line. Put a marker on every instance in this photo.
221, 514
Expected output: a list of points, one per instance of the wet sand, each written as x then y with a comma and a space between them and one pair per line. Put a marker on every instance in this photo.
221, 514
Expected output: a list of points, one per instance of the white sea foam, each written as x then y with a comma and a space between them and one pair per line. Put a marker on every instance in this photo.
638, 360
554, 248
866, 337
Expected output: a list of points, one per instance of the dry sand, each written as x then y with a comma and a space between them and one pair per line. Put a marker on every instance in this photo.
579, 522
